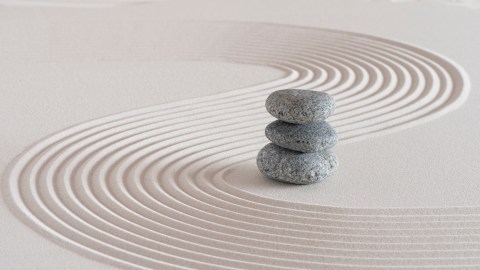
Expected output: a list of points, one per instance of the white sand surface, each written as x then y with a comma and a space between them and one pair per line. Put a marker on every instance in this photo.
139, 123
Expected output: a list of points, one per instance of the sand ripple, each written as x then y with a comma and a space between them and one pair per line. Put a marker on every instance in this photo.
146, 189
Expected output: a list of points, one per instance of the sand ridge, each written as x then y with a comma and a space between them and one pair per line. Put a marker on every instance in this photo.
146, 188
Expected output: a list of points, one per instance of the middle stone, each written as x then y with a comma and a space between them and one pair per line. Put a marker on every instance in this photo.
307, 138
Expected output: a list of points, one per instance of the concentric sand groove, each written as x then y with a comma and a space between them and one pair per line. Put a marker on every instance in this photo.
146, 188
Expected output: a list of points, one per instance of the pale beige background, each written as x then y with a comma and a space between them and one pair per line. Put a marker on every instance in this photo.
434, 164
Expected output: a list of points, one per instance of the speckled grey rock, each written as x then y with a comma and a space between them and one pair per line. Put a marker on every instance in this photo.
307, 138
300, 106
296, 167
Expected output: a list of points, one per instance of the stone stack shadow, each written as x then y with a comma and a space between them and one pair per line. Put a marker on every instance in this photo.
301, 138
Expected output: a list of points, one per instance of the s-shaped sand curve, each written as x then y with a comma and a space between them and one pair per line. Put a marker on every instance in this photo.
146, 189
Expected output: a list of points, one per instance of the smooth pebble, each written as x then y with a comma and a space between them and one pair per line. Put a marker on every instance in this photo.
300, 106
307, 138
295, 167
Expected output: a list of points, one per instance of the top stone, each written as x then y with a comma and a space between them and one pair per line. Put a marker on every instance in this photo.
300, 106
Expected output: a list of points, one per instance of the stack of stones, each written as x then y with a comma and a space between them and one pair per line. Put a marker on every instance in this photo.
301, 139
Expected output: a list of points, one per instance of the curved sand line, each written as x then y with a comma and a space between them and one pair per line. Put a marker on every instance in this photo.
146, 188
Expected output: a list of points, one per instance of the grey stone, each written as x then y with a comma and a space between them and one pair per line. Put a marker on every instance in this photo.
300, 106
311, 137
294, 167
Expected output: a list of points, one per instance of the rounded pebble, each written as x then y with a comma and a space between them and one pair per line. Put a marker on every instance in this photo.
300, 106
306, 138
294, 167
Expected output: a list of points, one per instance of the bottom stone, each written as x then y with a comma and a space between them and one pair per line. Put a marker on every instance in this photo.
296, 167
